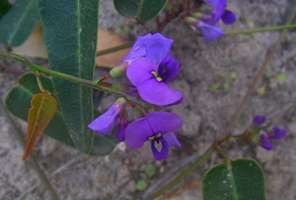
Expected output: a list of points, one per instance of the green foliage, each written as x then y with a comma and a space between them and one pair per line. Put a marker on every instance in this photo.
143, 10
150, 170
281, 77
4, 7
239, 180
70, 29
141, 185
18, 103
17, 24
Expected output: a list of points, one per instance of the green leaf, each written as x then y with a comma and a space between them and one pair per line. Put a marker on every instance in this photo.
18, 103
143, 10
43, 108
4, 7
19, 22
281, 77
70, 29
240, 180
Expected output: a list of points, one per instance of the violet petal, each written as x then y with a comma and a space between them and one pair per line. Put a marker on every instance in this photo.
210, 32
228, 17
169, 68
158, 93
140, 71
265, 142
137, 132
278, 133
104, 123
164, 122
172, 140
160, 154
259, 119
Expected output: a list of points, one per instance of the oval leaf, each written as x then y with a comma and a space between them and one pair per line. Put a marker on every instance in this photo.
18, 23
18, 103
143, 10
42, 110
240, 180
70, 29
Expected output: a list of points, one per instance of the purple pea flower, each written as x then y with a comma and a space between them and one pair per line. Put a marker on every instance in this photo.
159, 128
152, 80
106, 122
208, 23
259, 120
267, 139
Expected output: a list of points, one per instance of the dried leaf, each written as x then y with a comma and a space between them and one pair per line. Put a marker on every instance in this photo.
42, 110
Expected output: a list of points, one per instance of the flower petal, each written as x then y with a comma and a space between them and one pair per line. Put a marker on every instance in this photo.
265, 142
209, 32
218, 7
228, 17
161, 154
139, 49
259, 120
169, 68
140, 70
158, 93
278, 133
158, 47
164, 122
137, 133
172, 140
104, 123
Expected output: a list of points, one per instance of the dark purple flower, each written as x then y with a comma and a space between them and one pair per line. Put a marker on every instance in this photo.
151, 80
157, 127
106, 122
155, 47
266, 139
259, 120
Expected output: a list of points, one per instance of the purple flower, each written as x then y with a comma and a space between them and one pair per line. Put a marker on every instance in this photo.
267, 139
151, 80
208, 23
159, 128
155, 47
106, 122
259, 120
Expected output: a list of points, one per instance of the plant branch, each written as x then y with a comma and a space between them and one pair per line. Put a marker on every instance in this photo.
262, 29
42, 70
113, 49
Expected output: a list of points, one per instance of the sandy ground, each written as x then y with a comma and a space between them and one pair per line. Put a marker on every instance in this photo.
205, 113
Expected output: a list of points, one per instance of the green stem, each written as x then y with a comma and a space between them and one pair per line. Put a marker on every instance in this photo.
113, 49
263, 29
74, 79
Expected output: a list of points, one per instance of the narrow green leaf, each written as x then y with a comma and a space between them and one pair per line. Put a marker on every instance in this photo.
43, 108
4, 7
143, 10
18, 23
241, 180
18, 103
70, 29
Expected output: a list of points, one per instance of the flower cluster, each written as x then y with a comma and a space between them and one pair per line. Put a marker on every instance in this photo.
150, 69
207, 22
267, 137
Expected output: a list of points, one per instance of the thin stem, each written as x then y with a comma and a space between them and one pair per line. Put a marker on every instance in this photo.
32, 159
262, 29
92, 84
113, 49
39, 83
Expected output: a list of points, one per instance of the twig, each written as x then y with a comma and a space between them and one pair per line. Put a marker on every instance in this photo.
113, 49
32, 161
